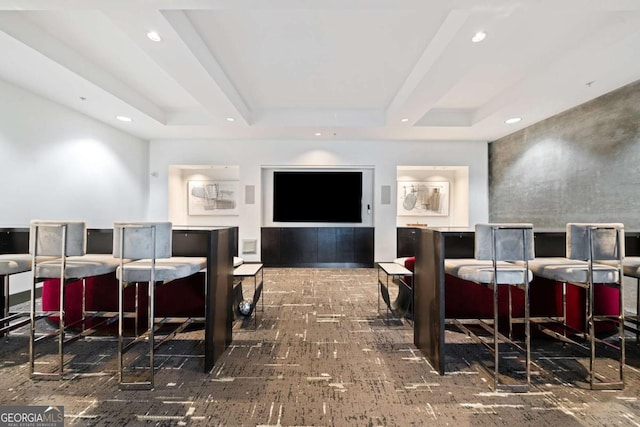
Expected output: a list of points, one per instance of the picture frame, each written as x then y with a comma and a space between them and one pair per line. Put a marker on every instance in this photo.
210, 197
423, 198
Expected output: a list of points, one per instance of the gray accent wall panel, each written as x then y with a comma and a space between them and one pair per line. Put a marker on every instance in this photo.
582, 165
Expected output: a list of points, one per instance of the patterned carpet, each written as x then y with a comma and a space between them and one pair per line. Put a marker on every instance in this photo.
322, 355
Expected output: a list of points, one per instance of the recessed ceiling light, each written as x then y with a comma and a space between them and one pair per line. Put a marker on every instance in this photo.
124, 119
318, 134
231, 119
404, 120
513, 120
478, 37
154, 36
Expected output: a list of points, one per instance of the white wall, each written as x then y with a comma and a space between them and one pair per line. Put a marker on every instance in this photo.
58, 164
251, 156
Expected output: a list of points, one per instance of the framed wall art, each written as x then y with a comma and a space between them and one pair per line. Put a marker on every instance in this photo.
213, 197
423, 198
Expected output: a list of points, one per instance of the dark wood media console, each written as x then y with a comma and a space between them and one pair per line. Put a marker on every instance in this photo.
317, 247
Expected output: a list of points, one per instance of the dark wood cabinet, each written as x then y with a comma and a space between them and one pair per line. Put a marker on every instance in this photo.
326, 246
299, 245
270, 246
406, 241
363, 248
345, 245
317, 246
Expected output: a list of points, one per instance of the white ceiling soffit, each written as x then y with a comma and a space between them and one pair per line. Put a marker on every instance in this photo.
339, 69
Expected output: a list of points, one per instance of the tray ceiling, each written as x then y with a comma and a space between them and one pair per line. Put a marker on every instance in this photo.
347, 69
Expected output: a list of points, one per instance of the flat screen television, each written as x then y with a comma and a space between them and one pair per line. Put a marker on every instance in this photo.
317, 196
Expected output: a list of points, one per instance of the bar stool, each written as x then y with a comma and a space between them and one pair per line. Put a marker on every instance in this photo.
11, 264
595, 253
149, 247
58, 251
496, 247
631, 268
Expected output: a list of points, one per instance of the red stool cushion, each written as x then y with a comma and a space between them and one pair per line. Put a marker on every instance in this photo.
182, 297
468, 300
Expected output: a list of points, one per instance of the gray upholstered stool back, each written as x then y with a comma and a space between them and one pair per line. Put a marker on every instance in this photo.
604, 240
47, 238
142, 240
513, 242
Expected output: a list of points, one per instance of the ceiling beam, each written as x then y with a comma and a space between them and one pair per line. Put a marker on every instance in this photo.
30, 35
181, 24
313, 117
183, 56
403, 104
573, 71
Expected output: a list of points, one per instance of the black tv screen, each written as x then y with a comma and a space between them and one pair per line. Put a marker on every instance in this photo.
317, 196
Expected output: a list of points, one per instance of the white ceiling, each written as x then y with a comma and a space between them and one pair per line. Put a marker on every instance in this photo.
347, 69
